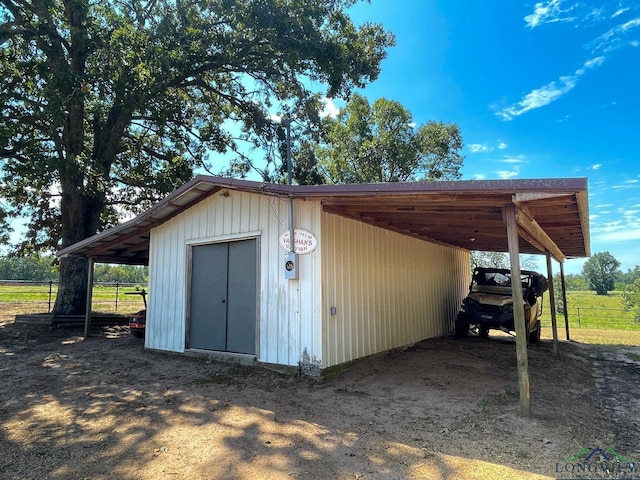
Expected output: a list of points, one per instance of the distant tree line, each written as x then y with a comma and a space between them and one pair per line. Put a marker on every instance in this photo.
45, 268
37, 269
600, 274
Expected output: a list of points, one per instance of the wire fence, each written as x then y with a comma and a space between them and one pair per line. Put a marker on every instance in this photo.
595, 317
22, 297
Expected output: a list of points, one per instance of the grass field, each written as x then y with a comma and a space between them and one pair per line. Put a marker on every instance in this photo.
17, 299
592, 318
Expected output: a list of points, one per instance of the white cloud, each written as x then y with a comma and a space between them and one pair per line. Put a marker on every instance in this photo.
548, 12
479, 176
514, 160
625, 185
595, 167
553, 11
623, 234
479, 148
613, 38
330, 108
484, 148
620, 11
622, 230
507, 174
578, 11
539, 97
589, 64
543, 96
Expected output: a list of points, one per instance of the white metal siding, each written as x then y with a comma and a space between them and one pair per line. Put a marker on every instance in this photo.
388, 289
289, 313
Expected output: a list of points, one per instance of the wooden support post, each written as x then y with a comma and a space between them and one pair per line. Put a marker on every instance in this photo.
509, 216
552, 306
87, 312
564, 300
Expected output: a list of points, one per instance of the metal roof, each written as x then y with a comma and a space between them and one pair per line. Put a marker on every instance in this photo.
552, 214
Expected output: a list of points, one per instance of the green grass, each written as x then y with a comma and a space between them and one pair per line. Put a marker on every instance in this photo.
588, 310
594, 318
15, 299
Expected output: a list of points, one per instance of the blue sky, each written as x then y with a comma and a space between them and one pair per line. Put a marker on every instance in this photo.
547, 89
538, 89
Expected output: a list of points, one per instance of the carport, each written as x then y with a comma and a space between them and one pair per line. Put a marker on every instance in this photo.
538, 216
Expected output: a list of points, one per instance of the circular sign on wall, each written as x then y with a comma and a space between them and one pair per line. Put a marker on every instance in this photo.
304, 242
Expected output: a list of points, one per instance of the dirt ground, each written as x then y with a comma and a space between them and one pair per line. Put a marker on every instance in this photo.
105, 408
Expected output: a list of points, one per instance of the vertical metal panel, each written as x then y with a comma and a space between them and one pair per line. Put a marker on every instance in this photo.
208, 303
289, 311
241, 295
389, 290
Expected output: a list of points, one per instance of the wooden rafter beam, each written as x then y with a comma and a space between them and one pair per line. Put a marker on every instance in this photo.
536, 233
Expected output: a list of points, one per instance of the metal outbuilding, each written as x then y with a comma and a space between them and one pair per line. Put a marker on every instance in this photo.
378, 266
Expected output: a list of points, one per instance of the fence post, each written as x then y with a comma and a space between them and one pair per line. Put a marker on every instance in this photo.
117, 287
50, 289
579, 324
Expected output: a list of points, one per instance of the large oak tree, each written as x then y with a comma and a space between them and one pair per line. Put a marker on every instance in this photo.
111, 104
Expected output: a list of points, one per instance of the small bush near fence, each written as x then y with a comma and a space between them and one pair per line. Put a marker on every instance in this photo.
17, 297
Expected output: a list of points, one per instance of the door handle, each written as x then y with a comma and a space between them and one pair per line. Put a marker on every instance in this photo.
223, 301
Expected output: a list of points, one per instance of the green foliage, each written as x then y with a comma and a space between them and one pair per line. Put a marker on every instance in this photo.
42, 269
627, 278
116, 103
121, 274
631, 298
600, 271
34, 268
572, 282
501, 260
380, 143
107, 106
557, 294
575, 282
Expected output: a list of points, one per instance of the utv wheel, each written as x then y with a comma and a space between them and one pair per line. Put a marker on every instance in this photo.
534, 337
483, 331
462, 325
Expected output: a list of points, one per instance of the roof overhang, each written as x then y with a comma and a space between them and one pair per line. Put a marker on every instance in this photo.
552, 214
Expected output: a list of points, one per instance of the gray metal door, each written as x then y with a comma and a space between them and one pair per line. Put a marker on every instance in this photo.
223, 297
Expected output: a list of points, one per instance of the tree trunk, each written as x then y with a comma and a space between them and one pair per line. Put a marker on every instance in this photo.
83, 201
80, 215
72, 290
